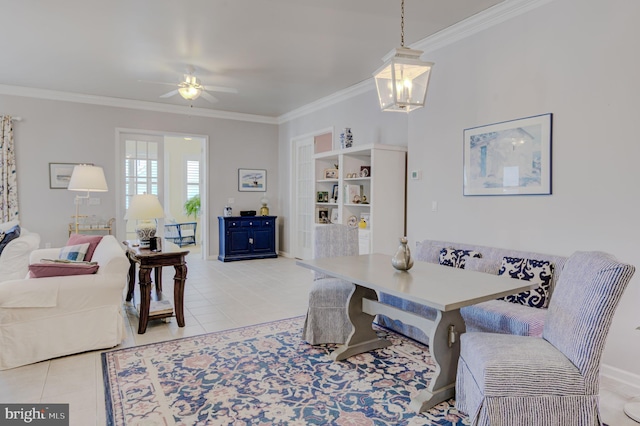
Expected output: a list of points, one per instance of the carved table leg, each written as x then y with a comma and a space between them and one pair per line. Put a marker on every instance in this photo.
145, 298
178, 291
362, 338
444, 345
131, 278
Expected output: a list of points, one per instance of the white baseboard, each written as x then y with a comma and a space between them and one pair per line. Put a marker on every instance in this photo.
622, 377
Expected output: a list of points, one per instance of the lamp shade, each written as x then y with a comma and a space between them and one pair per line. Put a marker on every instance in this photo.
87, 178
144, 207
403, 80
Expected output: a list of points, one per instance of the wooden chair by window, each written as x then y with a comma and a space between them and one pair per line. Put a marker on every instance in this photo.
181, 234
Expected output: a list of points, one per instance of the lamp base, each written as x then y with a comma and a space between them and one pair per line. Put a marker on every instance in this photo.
144, 235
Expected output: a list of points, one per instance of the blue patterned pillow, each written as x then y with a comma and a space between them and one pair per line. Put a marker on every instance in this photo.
75, 252
454, 257
536, 271
9, 235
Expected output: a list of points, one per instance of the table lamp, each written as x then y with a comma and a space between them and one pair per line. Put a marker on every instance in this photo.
146, 209
86, 177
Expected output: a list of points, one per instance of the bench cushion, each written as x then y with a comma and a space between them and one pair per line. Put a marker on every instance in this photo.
498, 316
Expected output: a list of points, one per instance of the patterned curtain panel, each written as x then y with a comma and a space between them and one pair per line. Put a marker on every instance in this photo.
8, 184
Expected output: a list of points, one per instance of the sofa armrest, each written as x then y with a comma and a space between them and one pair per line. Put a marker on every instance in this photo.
14, 261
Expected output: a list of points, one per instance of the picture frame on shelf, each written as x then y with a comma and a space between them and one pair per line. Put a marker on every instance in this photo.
335, 218
353, 194
322, 197
330, 174
509, 158
60, 174
252, 180
365, 171
322, 215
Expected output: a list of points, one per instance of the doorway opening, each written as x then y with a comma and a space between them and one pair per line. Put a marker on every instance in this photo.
173, 167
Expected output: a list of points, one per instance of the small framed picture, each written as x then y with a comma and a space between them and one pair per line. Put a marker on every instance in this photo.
322, 215
334, 216
365, 171
331, 173
60, 174
252, 180
322, 197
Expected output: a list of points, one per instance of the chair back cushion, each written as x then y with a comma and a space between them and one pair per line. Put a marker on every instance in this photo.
334, 240
582, 308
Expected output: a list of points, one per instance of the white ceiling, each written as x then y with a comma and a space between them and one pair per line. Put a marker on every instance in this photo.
279, 54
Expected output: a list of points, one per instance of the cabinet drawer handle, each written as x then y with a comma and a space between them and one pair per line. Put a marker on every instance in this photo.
267, 223
250, 240
250, 223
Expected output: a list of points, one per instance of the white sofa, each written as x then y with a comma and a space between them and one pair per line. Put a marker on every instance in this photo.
44, 318
14, 259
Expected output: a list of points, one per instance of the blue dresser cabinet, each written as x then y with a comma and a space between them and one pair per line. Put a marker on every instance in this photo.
246, 237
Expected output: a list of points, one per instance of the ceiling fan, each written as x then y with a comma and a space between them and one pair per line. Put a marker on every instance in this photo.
190, 88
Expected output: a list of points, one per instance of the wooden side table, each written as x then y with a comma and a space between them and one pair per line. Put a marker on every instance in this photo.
171, 255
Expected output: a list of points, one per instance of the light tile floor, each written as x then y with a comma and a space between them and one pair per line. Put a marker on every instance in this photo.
218, 296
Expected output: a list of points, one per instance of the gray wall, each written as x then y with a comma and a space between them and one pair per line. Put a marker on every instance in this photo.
577, 60
67, 132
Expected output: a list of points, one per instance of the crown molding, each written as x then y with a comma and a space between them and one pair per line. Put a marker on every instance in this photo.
54, 95
342, 95
479, 22
463, 29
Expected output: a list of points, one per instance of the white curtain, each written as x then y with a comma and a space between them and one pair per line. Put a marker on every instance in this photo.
8, 184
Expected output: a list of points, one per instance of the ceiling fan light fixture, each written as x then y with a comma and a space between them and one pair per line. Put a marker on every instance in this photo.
189, 92
403, 80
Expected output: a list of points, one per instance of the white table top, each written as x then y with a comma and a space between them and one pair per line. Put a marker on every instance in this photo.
440, 287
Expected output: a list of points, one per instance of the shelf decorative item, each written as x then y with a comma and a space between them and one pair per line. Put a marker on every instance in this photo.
402, 260
346, 138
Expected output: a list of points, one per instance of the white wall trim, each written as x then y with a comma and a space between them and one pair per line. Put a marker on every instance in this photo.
622, 377
55, 95
472, 25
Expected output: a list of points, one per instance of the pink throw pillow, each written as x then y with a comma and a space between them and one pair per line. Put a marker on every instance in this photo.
43, 270
93, 241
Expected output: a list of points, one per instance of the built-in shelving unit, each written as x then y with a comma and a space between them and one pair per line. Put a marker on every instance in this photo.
363, 182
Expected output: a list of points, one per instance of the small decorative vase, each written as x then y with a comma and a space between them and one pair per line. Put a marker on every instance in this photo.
348, 138
402, 260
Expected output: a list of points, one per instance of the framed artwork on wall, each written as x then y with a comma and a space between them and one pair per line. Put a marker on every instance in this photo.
508, 158
60, 174
252, 180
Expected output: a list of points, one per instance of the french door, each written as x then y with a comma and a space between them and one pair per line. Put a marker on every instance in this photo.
142, 171
303, 198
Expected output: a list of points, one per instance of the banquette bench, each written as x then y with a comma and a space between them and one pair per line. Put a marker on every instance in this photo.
521, 314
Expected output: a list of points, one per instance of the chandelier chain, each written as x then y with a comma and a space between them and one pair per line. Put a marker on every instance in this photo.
402, 23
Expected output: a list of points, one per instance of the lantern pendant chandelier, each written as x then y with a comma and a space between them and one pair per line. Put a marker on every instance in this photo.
403, 79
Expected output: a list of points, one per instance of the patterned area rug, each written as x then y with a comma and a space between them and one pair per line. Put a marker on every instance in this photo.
266, 375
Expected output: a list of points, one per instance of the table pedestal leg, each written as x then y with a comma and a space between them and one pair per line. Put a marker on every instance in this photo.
444, 346
178, 291
362, 338
145, 298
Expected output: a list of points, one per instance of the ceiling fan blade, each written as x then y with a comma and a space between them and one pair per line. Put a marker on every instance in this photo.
170, 94
220, 89
157, 82
208, 97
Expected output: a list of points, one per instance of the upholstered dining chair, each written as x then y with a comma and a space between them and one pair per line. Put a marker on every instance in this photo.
327, 320
554, 380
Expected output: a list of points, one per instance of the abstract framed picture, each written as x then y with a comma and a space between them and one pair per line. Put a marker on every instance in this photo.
252, 180
60, 175
508, 158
